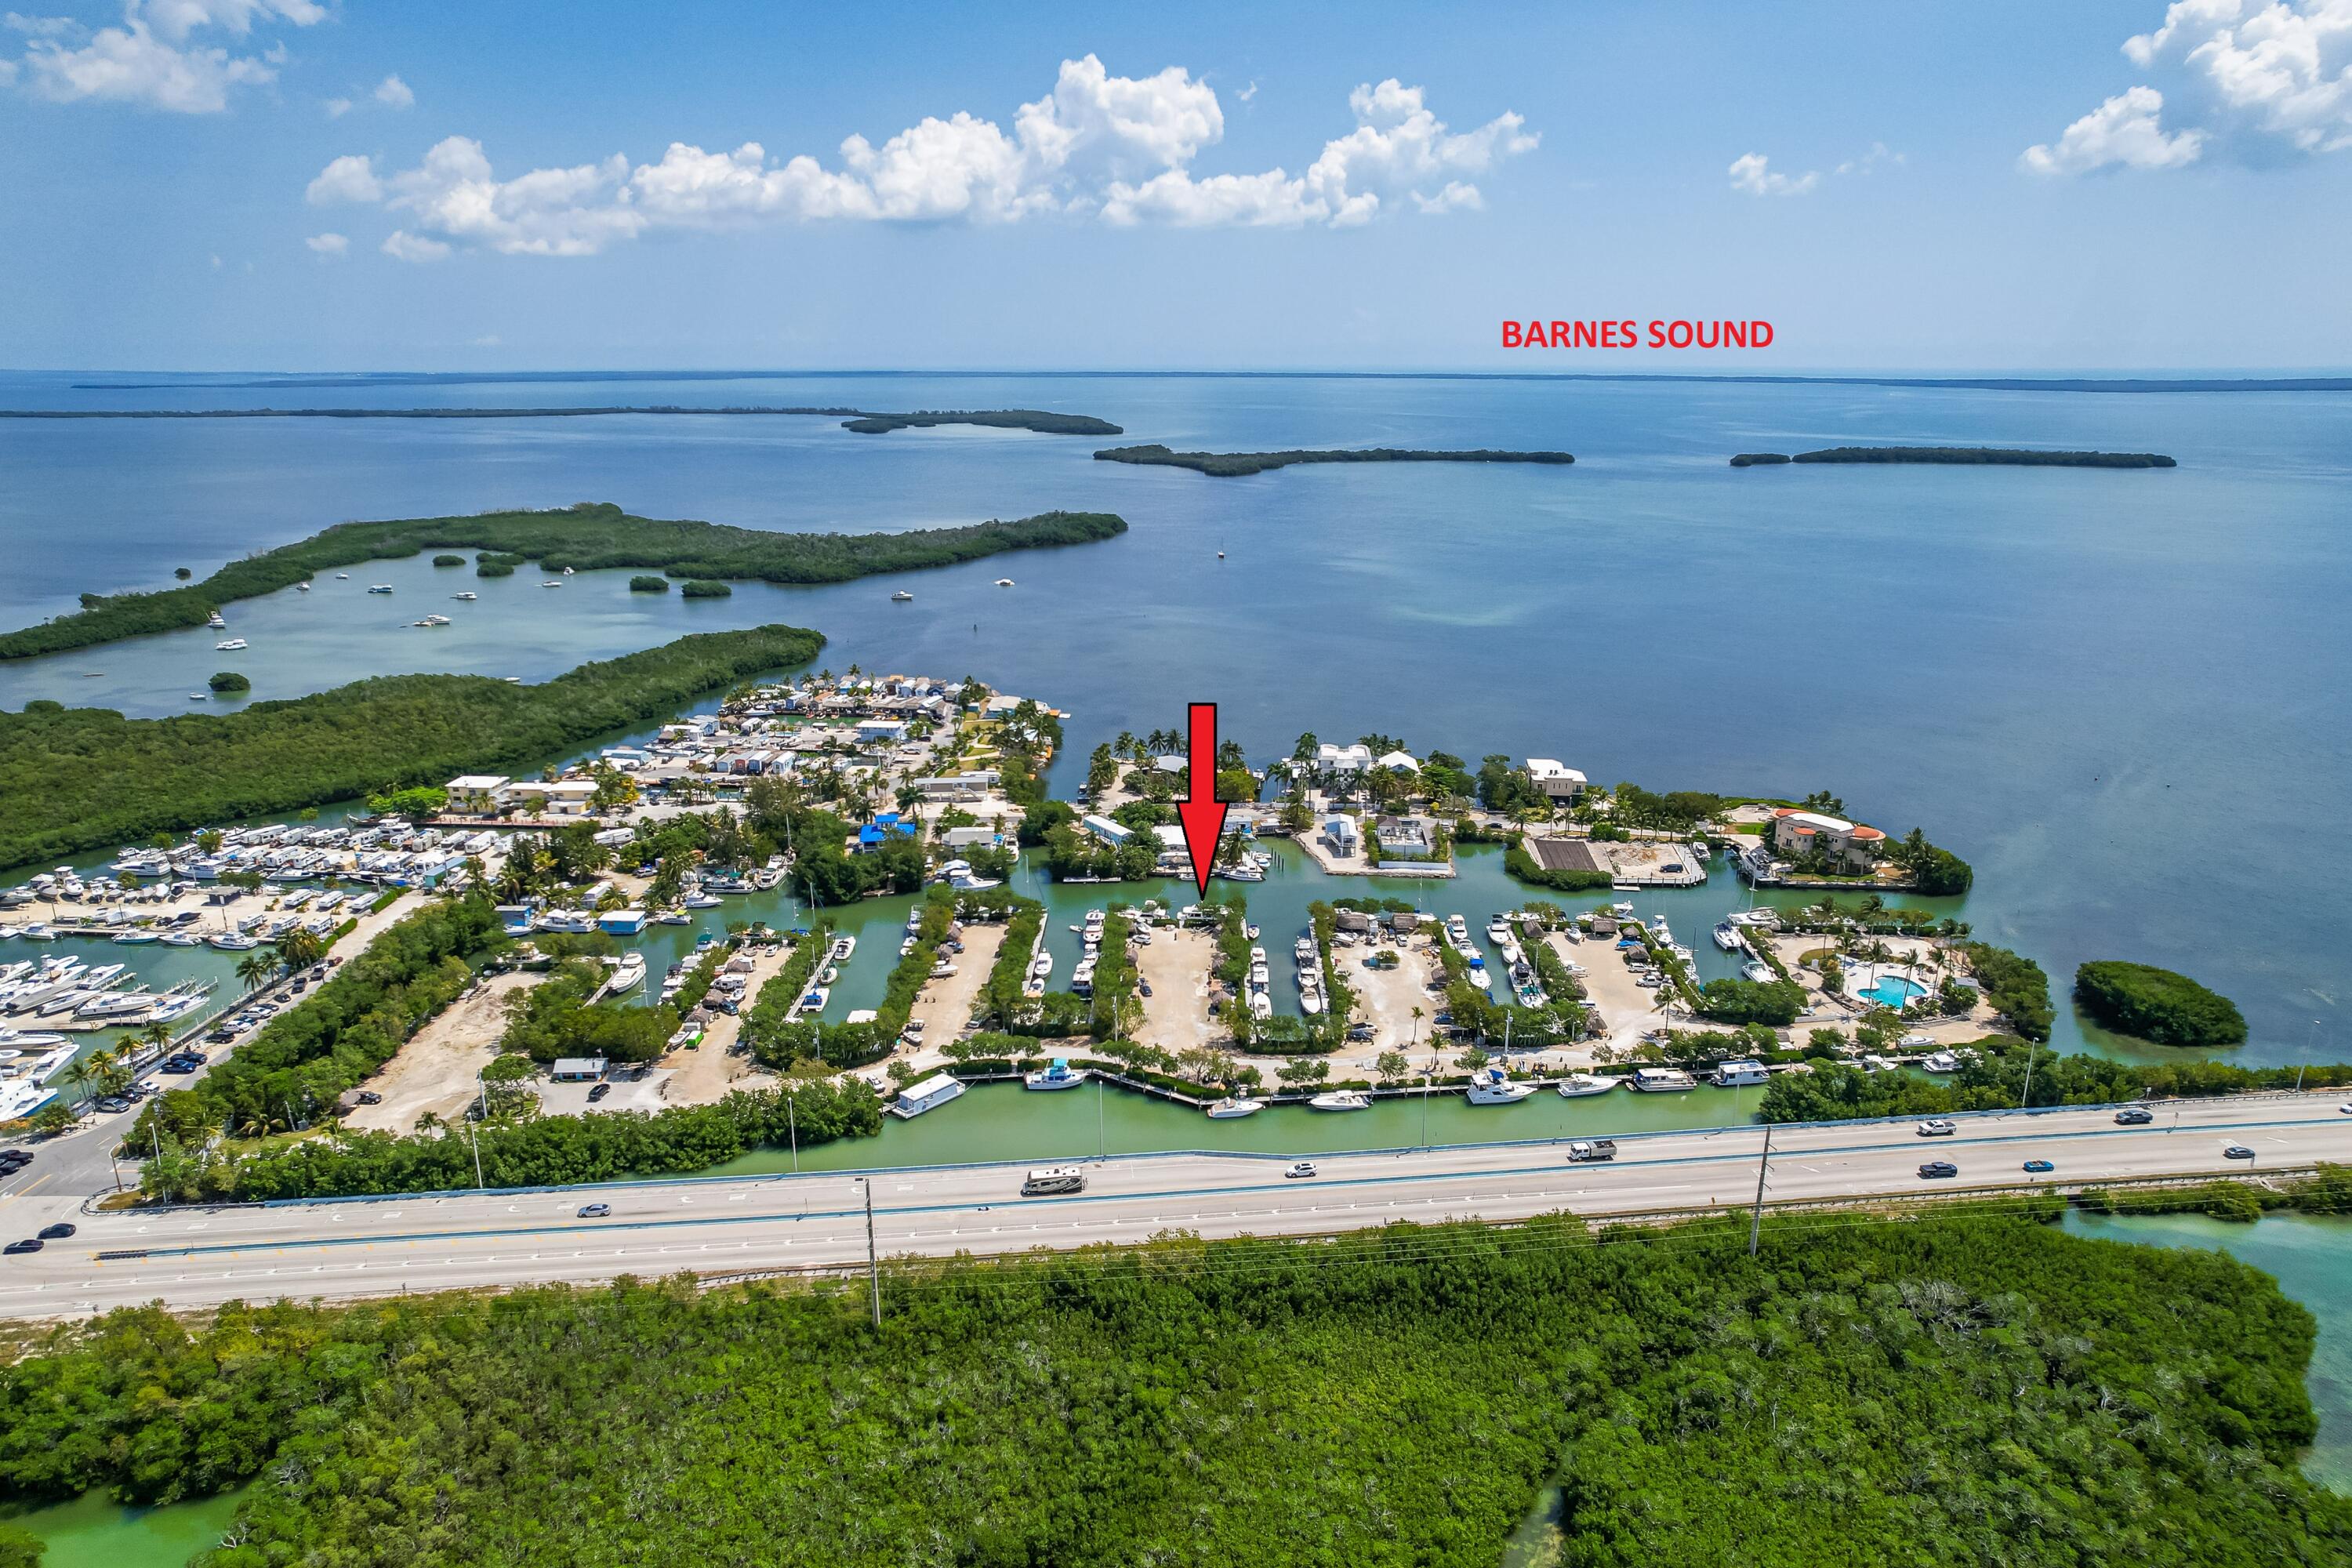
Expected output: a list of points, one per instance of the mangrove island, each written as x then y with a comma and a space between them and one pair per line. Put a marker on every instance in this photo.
1227, 465
585, 537
2008, 456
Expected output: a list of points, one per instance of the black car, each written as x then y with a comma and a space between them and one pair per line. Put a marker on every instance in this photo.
1933, 1169
57, 1232
13, 1160
2134, 1116
370, 1097
29, 1245
599, 1092
175, 1065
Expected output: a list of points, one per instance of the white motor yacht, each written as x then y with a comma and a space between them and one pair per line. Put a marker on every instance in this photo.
1491, 1085
629, 975
1727, 937
1577, 1085
1341, 1100
1232, 1108
1941, 1061
231, 646
1057, 1074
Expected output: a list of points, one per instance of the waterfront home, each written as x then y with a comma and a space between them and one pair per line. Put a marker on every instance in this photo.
1340, 833
1103, 829
1397, 762
577, 1069
555, 797
1560, 784
621, 922
1801, 834
883, 828
1332, 759
870, 731
960, 786
477, 795
968, 837
1407, 837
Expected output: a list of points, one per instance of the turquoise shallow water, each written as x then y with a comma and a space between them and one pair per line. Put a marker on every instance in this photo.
2126, 688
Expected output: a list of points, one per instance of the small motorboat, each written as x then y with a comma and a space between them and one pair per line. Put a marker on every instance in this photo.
1341, 1100
1577, 1085
1232, 1108
1004, 582
902, 597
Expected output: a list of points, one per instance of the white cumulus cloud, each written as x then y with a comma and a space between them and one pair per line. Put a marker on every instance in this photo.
1098, 146
1753, 172
2124, 133
328, 244
402, 246
150, 59
347, 179
394, 93
2253, 79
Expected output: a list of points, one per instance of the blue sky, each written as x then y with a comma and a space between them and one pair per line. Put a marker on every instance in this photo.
295, 185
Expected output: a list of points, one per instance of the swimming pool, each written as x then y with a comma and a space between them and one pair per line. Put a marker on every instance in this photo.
1894, 991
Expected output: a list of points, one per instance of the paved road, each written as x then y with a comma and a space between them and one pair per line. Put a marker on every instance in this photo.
196, 1257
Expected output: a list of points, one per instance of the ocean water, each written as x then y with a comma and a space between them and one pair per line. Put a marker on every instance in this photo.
2120, 695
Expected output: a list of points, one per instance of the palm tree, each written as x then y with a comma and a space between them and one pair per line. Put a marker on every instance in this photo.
157, 1034
299, 949
253, 969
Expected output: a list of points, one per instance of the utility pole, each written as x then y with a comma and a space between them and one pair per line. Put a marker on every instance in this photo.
1756, 1221
873, 1263
792, 1126
2024, 1097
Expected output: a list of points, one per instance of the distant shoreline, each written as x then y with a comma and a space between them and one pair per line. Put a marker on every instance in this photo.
860, 420
1960, 457
1961, 383
1233, 465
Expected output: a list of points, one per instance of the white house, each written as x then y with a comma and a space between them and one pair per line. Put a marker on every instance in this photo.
1332, 759
561, 797
477, 795
1399, 763
1103, 829
1557, 781
1340, 833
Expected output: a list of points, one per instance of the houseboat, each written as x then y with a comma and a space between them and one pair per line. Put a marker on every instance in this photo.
1662, 1080
929, 1095
1740, 1075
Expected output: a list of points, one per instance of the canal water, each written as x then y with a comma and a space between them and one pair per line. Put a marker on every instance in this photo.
2048, 670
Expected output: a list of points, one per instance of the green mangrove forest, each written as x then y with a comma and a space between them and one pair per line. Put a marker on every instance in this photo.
1968, 1387
1229, 465
2009, 456
2158, 1005
82, 778
586, 537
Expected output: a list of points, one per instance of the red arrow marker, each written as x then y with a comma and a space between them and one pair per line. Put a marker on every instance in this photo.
1202, 812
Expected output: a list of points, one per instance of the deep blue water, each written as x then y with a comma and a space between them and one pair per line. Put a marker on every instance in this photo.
2121, 695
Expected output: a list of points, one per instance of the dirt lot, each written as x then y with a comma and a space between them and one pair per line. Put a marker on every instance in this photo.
1387, 998
1176, 966
944, 1007
1628, 1009
435, 1072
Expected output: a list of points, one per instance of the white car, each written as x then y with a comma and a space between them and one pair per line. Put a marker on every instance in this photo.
1303, 1168
1938, 1128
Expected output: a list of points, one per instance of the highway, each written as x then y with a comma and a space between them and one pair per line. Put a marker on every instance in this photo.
718, 1227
